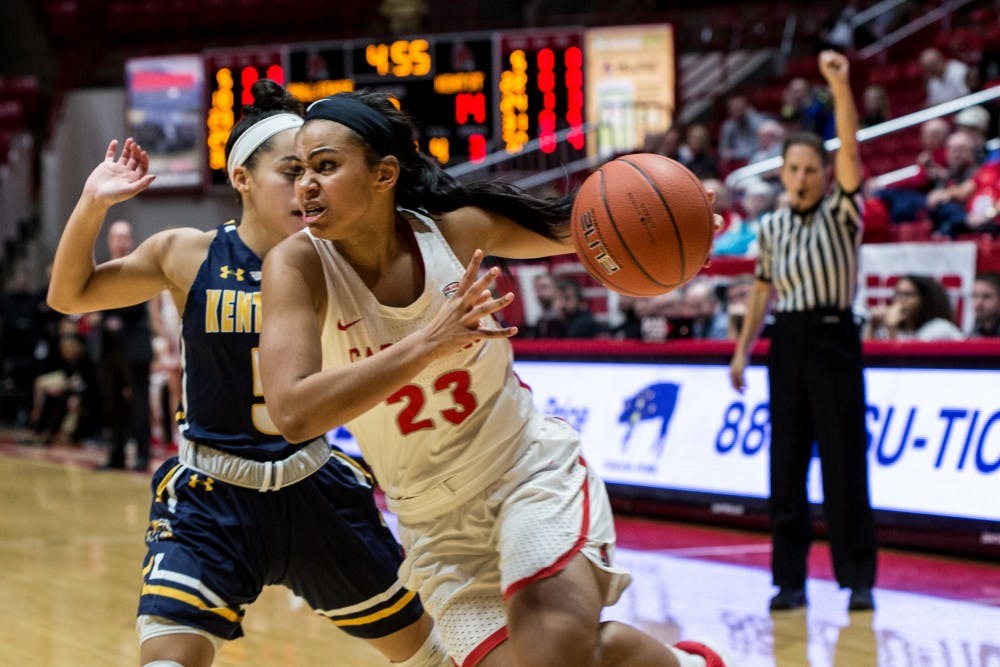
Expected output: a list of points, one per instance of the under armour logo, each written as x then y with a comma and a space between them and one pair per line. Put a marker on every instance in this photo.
206, 482
225, 272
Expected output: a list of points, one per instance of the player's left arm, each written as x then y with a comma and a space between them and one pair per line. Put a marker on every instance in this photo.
847, 164
470, 227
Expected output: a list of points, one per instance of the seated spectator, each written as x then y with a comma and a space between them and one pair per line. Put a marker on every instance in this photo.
61, 406
770, 140
656, 312
550, 323
740, 238
738, 133
795, 99
974, 121
631, 326
696, 153
920, 310
947, 201
701, 304
983, 209
905, 200
874, 106
577, 321
946, 77
666, 143
986, 305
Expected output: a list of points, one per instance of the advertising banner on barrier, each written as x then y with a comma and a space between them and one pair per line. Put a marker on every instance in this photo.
934, 434
952, 264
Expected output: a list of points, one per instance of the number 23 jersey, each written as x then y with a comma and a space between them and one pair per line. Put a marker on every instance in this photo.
456, 426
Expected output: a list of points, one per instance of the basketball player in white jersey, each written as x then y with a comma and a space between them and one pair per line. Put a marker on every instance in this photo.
377, 321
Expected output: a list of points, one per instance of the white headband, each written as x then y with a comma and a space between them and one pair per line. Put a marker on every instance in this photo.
257, 134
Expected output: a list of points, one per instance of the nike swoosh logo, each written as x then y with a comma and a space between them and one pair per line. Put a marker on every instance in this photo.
345, 327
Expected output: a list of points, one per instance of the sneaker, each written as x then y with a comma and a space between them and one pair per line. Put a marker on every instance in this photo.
788, 598
714, 657
861, 600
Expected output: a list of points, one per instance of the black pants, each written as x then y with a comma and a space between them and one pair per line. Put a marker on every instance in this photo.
818, 394
125, 392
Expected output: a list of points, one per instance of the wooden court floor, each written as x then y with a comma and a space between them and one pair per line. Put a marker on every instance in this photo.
71, 543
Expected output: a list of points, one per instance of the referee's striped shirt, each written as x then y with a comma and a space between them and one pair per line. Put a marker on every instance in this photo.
811, 258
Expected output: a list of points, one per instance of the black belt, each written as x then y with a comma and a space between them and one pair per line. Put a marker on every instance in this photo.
817, 316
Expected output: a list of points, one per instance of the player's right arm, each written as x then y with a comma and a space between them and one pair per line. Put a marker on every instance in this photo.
760, 296
78, 284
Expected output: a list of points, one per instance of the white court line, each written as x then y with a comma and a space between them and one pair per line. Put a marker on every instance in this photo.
710, 551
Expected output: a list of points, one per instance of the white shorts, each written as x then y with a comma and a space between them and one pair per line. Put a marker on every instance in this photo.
526, 526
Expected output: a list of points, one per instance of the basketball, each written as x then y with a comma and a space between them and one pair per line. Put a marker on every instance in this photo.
642, 224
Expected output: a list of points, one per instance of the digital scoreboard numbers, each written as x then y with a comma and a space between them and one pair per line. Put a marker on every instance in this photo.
230, 76
444, 82
541, 88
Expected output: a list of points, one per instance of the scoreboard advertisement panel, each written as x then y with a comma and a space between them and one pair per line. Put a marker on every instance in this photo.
443, 81
469, 94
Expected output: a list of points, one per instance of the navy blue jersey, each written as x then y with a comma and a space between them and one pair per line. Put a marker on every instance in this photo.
223, 404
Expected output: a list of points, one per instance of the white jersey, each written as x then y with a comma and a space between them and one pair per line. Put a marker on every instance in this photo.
459, 424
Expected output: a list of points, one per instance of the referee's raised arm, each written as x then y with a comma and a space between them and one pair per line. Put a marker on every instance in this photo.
847, 165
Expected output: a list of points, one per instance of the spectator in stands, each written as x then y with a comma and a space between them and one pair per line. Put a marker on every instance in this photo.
550, 322
696, 152
740, 238
974, 121
666, 143
983, 208
738, 134
63, 397
702, 305
905, 200
770, 137
945, 76
630, 327
947, 201
656, 312
795, 99
19, 338
986, 305
577, 320
874, 106
919, 310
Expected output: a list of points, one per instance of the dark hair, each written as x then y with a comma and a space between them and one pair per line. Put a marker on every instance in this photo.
269, 99
810, 139
991, 277
423, 184
934, 301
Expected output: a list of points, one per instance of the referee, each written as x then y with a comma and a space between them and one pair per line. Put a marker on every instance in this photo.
809, 256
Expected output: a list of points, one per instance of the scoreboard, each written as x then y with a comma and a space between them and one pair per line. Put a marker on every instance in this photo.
443, 81
527, 92
468, 93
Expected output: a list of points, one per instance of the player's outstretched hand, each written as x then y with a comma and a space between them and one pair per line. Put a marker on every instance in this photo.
461, 320
117, 179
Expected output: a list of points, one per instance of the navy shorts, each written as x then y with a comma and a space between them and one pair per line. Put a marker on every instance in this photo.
213, 546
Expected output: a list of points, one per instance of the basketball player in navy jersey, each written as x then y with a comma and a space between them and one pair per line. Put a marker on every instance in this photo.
377, 319
240, 507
